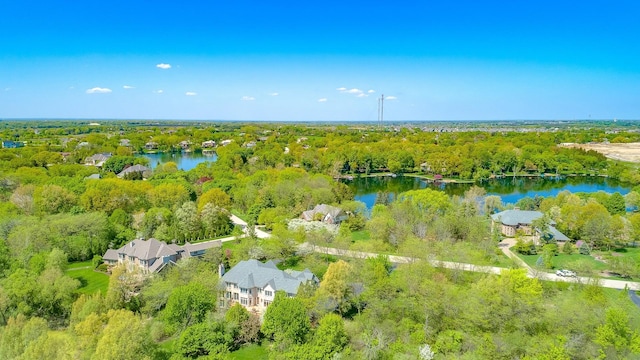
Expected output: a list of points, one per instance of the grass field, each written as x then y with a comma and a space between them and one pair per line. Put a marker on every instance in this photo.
361, 235
251, 352
91, 281
562, 261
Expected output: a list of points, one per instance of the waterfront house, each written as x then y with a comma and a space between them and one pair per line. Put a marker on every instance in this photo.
326, 213
511, 221
97, 159
133, 169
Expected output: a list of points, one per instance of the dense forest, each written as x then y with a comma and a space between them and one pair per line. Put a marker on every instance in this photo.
57, 220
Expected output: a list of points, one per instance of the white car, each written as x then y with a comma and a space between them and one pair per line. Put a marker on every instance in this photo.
566, 273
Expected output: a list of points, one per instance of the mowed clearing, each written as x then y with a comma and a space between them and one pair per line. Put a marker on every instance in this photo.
90, 281
629, 152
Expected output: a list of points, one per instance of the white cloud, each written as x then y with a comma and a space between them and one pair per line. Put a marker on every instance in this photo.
390, 97
274, 94
354, 91
248, 98
191, 93
98, 90
362, 95
158, 91
371, 91
128, 87
163, 66
322, 100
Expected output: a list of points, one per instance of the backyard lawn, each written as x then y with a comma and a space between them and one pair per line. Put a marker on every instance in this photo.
91, 281
251, 352
360, 235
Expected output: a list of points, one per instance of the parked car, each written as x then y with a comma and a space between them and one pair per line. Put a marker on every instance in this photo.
566, 273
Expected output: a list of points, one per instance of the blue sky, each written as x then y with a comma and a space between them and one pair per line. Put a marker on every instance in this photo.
331, 60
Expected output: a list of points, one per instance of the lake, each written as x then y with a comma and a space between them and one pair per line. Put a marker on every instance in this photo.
185, 161
509, 189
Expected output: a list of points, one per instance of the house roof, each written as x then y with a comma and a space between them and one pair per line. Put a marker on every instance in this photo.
201, 246
515, 217
557, 234
147, 249
134, 168
253, 273
332, 211
99, 157
111, 255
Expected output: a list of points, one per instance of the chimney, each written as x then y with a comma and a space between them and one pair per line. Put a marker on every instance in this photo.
221, 270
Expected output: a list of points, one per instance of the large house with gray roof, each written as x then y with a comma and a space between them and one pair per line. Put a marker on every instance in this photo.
253, 284
135, 169
151, 256
511, 221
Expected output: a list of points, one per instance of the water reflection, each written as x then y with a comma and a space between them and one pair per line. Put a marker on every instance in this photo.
184, 161
511, 190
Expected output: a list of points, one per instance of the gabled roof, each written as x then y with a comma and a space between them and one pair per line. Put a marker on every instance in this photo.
253, 273
147, 249
111, 255
557, 235
134, 168
99, 157
327, 210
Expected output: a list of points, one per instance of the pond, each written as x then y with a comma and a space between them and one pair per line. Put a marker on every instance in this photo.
185, 160
509, 189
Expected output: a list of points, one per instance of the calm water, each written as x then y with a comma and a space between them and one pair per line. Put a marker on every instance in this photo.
511, 190
185, 161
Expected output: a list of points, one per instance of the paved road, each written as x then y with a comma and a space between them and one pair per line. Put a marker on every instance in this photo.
504, 245
614, 284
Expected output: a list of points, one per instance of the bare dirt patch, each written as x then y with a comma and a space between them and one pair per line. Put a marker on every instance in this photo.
629, 152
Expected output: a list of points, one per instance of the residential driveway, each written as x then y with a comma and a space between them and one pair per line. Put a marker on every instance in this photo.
634, 297
506, 244
261, 234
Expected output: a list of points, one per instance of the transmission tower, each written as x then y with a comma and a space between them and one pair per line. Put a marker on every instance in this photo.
381, 110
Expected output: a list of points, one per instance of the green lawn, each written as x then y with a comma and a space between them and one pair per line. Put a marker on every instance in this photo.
360, 235
80, 264
251, 352
562, 261
627, 252
91, 281
231, 245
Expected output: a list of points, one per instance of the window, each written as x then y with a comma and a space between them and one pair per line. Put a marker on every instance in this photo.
235, 296
266, 303
268, 293
243, 290
243, 301
228, 295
